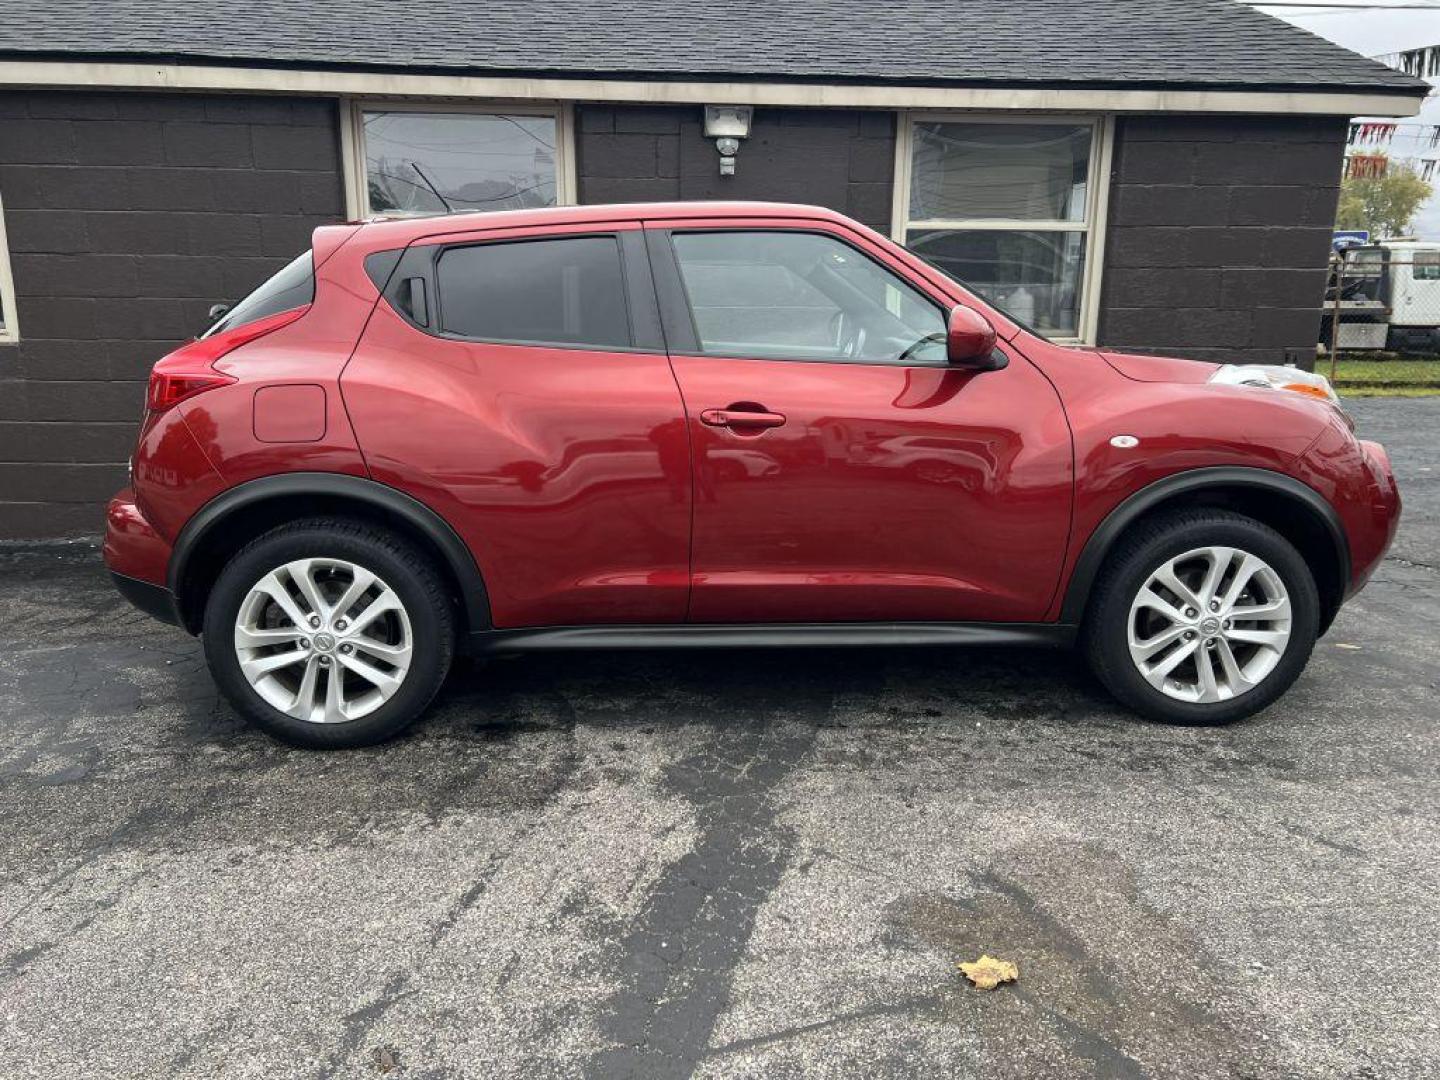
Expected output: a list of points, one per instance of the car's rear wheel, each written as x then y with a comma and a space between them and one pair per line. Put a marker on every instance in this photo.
1202, 617
329, 633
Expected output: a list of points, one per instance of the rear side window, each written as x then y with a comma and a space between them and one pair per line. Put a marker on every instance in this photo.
292, 287
566, 291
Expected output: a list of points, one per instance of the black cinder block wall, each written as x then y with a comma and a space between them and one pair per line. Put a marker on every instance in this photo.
842, 159
127, 216
1219, 232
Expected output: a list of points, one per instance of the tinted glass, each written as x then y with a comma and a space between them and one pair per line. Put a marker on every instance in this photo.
800, 296
1034, 276
1011, 172
292, 287
566, 291
428, 163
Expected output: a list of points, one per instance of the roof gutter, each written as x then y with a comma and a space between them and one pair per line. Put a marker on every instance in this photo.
321, 82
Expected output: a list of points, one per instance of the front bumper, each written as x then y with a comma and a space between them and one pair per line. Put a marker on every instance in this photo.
138, 558
1384, 510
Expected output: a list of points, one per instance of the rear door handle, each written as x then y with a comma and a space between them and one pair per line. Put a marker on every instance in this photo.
741, 418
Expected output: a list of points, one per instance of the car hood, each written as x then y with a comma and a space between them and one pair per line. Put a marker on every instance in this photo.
1159, 368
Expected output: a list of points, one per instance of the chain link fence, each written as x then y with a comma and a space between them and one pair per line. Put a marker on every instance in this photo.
1381, 324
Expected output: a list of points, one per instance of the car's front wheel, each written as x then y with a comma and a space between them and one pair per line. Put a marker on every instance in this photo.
329, 633
1202, 617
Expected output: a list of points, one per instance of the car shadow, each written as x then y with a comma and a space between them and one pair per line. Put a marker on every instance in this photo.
506, 696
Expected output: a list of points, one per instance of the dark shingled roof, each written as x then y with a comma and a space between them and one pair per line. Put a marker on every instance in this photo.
1097, 43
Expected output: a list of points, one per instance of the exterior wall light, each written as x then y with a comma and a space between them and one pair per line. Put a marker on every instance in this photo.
727, 125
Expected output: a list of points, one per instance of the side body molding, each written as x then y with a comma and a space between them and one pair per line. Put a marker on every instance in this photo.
1092, 556
355, 489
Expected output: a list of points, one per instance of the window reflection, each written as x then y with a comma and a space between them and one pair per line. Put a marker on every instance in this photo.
1005, 207
1033, 276
1020, 172
426, 163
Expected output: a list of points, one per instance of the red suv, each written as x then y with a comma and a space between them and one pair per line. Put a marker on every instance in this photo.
720, 425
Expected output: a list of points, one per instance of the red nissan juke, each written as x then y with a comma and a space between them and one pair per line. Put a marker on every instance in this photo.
715, 425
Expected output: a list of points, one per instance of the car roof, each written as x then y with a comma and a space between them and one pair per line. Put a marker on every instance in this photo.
385, 234
389, 231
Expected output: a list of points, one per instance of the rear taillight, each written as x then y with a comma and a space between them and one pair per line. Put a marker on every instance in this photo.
189, 370
169, 388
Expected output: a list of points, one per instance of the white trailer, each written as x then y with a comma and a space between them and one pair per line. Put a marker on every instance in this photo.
1390, 297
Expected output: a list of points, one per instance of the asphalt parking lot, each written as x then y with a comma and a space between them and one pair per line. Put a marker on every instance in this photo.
724, 865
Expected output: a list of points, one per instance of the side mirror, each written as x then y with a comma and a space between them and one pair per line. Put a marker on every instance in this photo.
970, 340
218, 312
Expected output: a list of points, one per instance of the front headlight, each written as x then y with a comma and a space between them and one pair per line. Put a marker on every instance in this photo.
1275, 377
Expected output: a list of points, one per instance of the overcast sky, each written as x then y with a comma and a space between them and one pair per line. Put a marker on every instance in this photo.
1372, 33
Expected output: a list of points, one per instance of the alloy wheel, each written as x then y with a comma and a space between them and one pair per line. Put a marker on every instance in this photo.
323, 640
1209, 625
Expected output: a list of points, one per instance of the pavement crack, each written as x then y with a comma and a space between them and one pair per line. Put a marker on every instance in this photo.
359, 1023
899, 1008
1109, 1060
101, 849
466, 901
1413, 563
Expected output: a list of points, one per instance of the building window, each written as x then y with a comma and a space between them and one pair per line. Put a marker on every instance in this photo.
1012, 208
9, 325
437, 159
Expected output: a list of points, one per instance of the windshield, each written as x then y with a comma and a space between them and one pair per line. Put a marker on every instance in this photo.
292, 287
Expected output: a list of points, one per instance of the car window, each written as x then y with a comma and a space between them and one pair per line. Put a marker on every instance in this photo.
1427, 266
802, 296
1368, 261
565, 291
291, 287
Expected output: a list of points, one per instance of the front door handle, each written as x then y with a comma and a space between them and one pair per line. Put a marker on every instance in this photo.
740, 419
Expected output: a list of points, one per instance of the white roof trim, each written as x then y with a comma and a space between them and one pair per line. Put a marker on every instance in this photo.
813, 95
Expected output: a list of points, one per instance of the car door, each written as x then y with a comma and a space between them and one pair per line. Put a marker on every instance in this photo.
515, 380
843, 471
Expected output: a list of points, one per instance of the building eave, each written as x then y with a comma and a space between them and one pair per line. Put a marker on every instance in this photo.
1062, 96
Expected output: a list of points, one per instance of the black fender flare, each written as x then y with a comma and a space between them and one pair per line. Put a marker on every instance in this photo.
458, 558
1097, 547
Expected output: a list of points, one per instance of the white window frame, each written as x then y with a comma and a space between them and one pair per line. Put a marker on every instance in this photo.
352, 142
9, 318
1097, 198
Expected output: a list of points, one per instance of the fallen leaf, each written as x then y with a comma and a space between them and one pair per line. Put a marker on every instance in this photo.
1345, 645
988, 972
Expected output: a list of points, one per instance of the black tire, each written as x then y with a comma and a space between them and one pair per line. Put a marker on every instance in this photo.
1138, 554
411, 576
1406, 341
